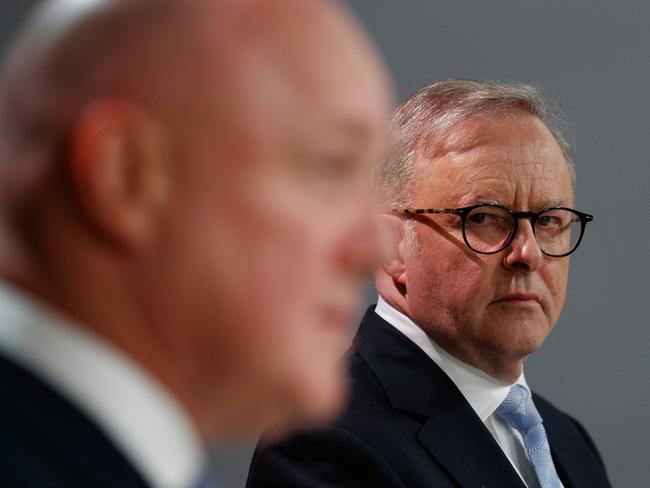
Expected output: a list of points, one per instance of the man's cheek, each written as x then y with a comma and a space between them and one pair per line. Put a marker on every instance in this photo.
556, 280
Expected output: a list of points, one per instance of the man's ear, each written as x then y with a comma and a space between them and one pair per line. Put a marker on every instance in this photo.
393, 247
118, 167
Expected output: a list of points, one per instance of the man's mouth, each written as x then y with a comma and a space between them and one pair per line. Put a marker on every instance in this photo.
520, 298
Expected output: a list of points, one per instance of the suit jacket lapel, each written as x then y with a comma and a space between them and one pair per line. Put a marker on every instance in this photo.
452, 432
461, 443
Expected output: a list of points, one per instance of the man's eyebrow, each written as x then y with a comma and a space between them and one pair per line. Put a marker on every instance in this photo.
554, 203
490, 201
480, 200
483, 200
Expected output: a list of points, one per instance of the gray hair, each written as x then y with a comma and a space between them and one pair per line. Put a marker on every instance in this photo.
428, 116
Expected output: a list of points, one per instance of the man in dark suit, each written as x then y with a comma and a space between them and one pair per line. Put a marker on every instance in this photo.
481, 190
163, 166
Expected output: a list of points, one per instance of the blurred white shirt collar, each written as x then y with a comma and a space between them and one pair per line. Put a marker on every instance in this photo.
137, 413
482, 392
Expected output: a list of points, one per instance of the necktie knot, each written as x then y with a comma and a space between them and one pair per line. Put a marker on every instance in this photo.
518, 409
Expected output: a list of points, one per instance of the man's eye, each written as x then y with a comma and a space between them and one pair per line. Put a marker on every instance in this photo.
546, 220
478, 218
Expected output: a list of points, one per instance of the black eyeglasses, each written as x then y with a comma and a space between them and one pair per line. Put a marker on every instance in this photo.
488, 228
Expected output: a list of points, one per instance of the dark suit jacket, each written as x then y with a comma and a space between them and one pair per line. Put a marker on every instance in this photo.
45, 442
407, 425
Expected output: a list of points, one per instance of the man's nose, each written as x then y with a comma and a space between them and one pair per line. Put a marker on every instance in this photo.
524, 251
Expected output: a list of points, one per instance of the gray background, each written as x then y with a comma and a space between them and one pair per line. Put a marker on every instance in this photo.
592, 57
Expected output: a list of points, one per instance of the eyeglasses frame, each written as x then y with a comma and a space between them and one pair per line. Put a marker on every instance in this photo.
463, 212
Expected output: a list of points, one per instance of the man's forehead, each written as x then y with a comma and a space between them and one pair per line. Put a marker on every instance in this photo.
510, 138
482, 129
488, 158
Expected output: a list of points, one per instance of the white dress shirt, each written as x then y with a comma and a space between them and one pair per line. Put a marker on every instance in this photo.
138, 414
482, 392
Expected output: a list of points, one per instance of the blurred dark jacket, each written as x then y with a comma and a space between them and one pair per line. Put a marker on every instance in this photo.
47, 442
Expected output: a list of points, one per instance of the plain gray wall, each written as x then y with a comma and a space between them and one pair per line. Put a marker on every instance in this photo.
592, 57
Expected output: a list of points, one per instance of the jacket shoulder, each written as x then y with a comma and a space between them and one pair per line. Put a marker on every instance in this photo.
45, 440
320, 458
332, 456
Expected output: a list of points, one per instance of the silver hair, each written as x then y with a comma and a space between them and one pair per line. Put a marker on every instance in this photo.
427, 118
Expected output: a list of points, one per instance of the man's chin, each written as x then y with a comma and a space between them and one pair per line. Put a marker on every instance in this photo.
519, 344
525, 330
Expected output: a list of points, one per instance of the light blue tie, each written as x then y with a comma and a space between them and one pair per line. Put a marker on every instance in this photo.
519, 411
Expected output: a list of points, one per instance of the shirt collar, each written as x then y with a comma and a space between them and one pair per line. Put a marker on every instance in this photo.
139, 415
483, 392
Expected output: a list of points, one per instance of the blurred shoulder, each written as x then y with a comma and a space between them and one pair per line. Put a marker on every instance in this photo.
341, 455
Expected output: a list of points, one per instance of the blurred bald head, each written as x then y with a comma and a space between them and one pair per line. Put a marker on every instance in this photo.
169, 55
206, 162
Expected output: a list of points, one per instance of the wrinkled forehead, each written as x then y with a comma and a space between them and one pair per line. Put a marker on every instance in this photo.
497, 158
456, 132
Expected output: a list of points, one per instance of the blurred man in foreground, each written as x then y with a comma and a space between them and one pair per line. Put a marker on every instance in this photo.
481, 188
185, 225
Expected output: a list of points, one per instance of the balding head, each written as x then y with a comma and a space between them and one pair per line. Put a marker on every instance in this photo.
207, 163
184, 60
71, 52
